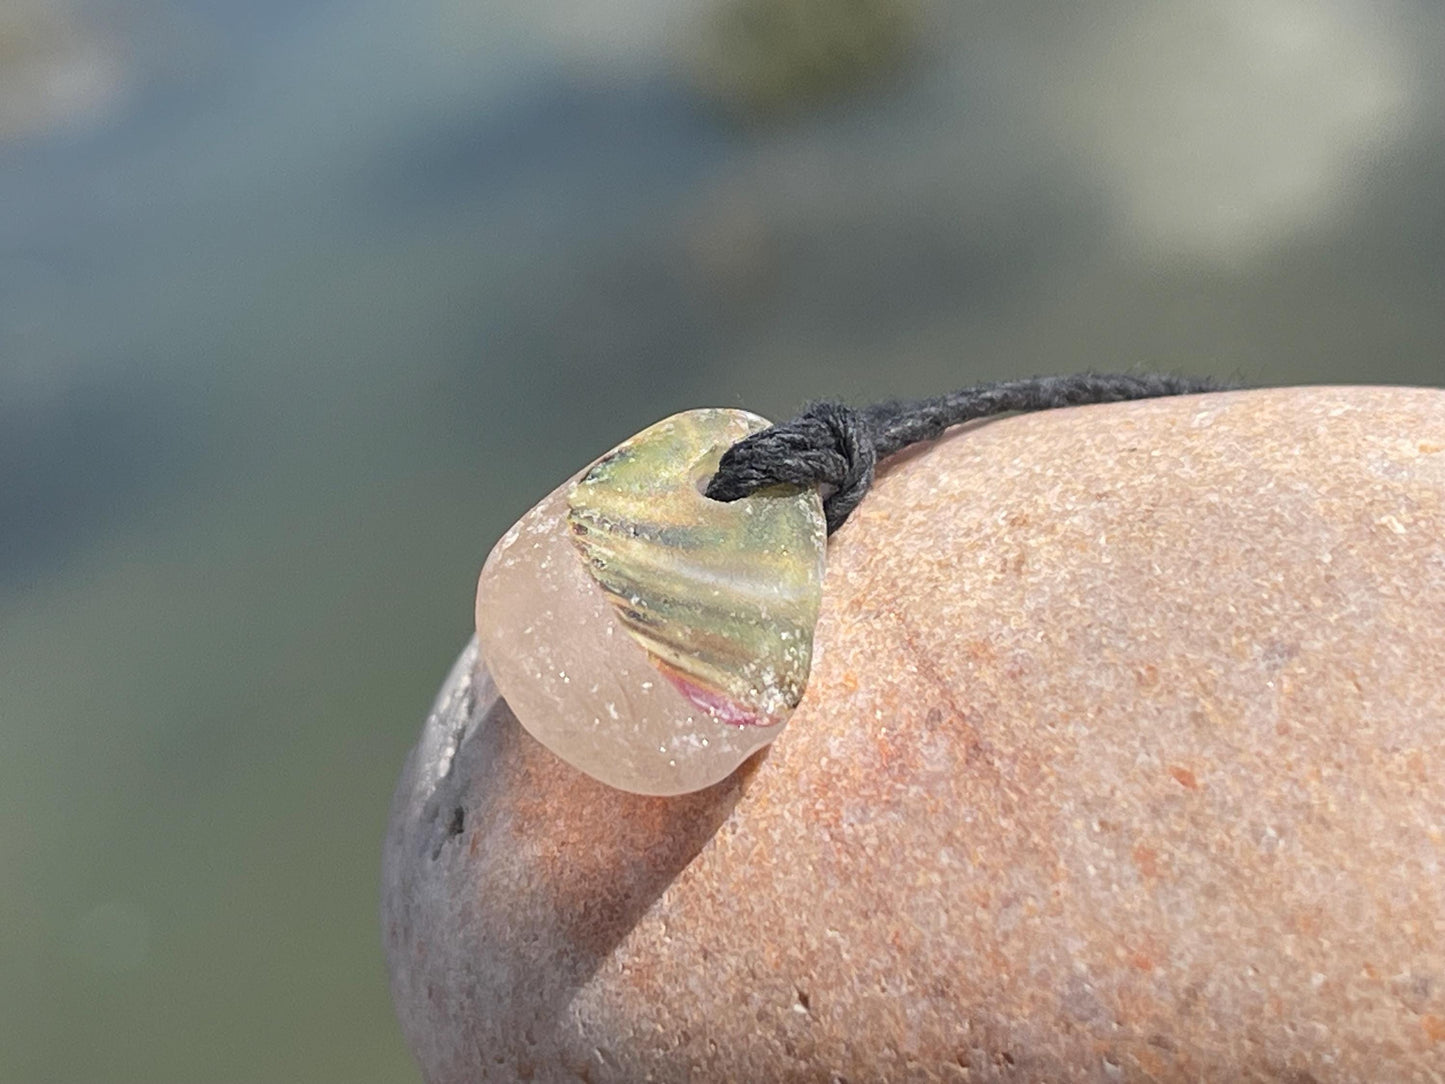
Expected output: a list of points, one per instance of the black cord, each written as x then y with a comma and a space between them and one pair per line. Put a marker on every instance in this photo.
833, 445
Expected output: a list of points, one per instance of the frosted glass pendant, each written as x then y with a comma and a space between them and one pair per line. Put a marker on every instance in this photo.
647, 635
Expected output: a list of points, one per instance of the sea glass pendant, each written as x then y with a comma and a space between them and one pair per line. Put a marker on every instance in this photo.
647, 635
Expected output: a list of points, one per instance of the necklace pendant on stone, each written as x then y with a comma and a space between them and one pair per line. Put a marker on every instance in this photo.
647, 635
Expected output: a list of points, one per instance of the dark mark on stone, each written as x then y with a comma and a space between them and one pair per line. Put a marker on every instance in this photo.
455, 825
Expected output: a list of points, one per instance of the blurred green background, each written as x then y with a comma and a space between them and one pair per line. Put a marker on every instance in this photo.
303, 302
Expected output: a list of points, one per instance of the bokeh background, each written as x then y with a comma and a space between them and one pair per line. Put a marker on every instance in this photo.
303, 302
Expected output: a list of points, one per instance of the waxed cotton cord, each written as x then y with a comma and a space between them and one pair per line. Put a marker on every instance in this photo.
837, 446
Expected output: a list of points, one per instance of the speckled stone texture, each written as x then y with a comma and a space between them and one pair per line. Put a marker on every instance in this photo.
1123, 758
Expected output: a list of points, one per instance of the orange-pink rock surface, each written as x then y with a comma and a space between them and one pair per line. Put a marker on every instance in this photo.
1123, 757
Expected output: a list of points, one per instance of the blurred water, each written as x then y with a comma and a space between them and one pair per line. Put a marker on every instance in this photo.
302, 303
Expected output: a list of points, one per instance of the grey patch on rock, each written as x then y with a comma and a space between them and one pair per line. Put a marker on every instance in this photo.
467, 698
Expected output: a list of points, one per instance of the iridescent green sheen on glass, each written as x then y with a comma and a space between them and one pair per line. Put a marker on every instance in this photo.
723, 597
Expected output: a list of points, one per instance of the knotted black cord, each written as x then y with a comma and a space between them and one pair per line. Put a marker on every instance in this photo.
838, 447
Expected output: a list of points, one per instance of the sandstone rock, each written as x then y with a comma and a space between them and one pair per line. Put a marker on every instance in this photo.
1123, 757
